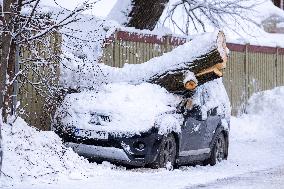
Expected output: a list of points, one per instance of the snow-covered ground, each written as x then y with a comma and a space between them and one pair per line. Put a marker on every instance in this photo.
37, 159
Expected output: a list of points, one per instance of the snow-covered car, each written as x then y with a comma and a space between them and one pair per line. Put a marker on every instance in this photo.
144, 125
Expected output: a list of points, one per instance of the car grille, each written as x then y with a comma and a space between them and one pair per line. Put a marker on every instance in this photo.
87, 141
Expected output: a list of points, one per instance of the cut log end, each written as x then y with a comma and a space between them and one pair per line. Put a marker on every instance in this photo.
222, 48
190, 85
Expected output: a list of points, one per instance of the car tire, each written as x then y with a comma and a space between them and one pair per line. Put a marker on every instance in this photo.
1, 152
219, 150
166, 157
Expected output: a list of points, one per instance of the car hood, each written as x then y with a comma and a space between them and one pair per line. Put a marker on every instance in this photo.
119, 108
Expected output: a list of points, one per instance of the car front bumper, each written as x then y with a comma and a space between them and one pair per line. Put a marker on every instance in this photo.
98, 151
117, 149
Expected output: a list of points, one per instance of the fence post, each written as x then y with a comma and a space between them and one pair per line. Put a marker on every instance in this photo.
276, 66
246, 72
116, 62
167, 44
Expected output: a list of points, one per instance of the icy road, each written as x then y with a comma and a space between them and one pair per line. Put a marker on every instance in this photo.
271, 178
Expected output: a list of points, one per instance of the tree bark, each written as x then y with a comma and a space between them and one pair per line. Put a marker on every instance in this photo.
146, 13
206, 67
7, 65
2, 69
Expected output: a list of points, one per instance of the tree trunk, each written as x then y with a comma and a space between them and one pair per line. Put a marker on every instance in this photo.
7, 66
2, 68
146, 13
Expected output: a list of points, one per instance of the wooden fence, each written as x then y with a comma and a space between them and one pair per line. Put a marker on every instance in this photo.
40, 68
35, 97
250, 68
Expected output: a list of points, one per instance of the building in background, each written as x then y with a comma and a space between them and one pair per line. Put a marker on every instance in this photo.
275, 23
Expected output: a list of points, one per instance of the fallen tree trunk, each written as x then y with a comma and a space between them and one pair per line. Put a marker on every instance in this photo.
206, 67
205, 55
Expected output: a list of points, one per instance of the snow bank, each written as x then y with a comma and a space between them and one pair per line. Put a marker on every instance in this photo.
132, 108
33, 156
264, 119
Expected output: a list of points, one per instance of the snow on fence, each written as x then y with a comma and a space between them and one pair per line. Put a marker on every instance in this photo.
250, 68
40, 72
132, 48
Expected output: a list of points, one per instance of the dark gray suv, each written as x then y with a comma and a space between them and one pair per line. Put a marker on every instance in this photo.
203, 136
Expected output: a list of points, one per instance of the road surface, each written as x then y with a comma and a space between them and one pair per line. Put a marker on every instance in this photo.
272, 179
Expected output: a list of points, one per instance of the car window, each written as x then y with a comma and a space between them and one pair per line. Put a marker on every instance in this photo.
212, 97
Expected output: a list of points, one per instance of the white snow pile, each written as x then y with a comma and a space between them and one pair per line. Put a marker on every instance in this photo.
264, 118
132, 108
189, 76
82, 43
34, 156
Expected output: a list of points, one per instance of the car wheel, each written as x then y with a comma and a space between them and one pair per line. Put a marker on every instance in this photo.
219, 150
1, 152
1, 160
167, 153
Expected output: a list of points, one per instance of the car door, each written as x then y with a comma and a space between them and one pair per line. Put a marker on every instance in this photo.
212, 122
193, 131
211, 104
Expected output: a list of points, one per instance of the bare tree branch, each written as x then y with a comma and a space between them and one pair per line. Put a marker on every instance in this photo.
202, 12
